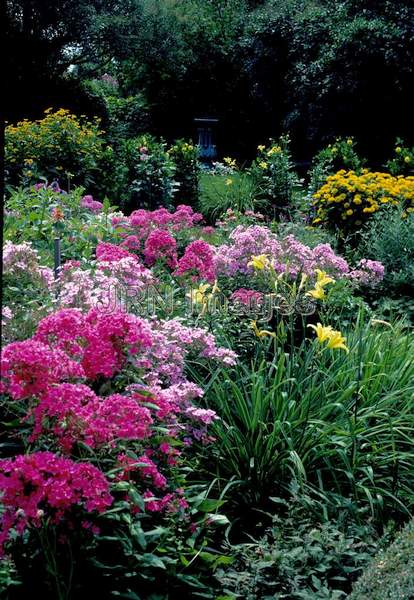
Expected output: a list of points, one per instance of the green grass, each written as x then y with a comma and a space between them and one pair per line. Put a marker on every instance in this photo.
217, 195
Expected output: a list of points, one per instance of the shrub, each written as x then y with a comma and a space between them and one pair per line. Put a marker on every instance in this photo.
274, 174
403, 161
391, 574
347, 200
300, 559
149, 173
185, 157
60, 146
389, 238
339, 156
40, 213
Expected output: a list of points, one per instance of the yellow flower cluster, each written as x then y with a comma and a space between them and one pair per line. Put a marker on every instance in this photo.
347, 199
184, 148
230, 162
59, 138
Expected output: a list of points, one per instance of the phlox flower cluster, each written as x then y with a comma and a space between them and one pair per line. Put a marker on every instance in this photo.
142, 466
286, 255
74, 413
108, 252
248, 298
160, 246
176, 410
28, 368
141, 222
368, 272
197, 262
69, 344
173, 342
155, 419
23, 259
90, 204
84, 288
115, 275
100, 342
42, 485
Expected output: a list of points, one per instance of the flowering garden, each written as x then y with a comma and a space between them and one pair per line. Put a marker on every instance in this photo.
207, 378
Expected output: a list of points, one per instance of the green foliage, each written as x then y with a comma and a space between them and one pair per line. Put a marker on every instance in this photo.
273, 172
187, 174
299, 559
403, 161
149, 173
29, 216
391, 574
389, 238
235, 191
333, 423
124, 116
335, 157
59, 146
305, 233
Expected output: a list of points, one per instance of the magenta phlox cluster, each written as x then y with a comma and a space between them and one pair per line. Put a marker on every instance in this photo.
74, 413
197, 262
40, 486
160, 246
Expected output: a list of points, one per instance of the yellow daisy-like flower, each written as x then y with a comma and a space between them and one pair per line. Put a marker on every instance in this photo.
263, 165
407, 159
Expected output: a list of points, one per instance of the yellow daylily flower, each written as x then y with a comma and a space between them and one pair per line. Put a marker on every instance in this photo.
322, 278
261, 148
259, 262
337, 341
322, 333
318, 292
229, 181
260, 333
198, 295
